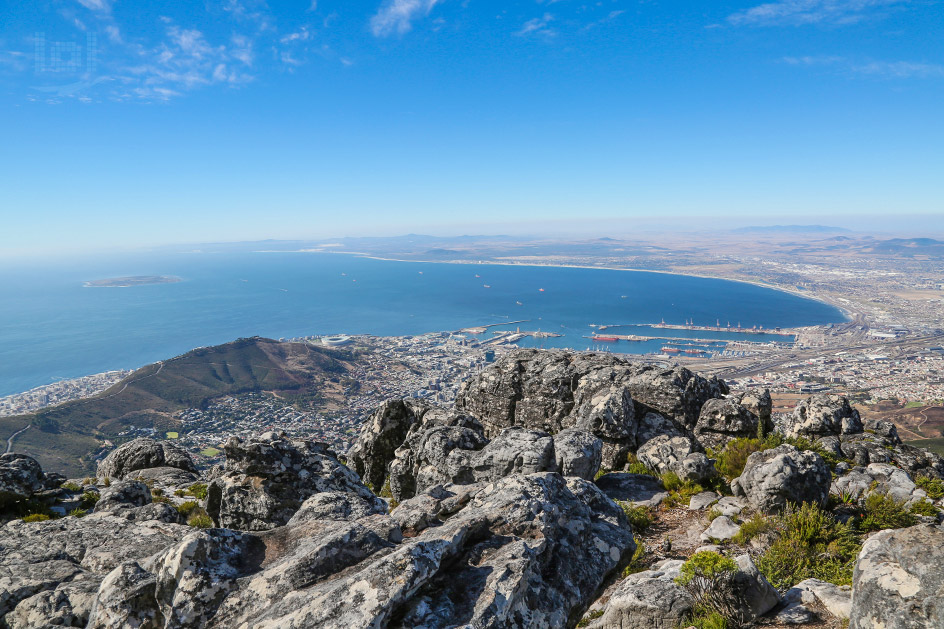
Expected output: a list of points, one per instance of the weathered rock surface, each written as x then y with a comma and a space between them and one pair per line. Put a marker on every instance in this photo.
836, 599
724, 419
640, 489
20, 477
122, 495
386, 429
877, 477
141, 454
676, 454
601, 394
577, 453
898, 581
266, 480
649, 599
773, 478
821, 416
722, 529
755, 591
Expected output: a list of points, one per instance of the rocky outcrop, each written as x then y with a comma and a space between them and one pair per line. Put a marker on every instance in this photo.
122, 495
386, 429
883, 478
577, 453
822, 416
676, 454
600, 394
266, 480
724, 419
773, 478
640, 489
20, 477
141, 454
649, 600
898, 581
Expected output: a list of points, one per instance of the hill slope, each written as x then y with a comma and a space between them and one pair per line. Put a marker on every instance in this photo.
62, 437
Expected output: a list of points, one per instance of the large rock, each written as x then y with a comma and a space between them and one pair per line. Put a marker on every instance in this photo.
20, 477
455, 455
141, 454
722, 420
823, 415
757, 594
898, 582
265, 481
649, 600
877, 477
837, 599
640, 489
42, 557
385, 430
773, 478
528, 550
600, 394
578, 453
676, 454
122, 495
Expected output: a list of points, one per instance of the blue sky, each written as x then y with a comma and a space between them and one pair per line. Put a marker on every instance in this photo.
131, 123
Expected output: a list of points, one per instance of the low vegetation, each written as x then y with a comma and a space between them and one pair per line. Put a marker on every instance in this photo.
200, 521
74, 488
36, 517
757, 525
637, 561
708, 577
640, 517
884, 512
934, 487
731, 460
810, 543
680, 492
637, 467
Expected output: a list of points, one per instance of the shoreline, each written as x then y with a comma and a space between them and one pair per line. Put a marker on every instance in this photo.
796, 293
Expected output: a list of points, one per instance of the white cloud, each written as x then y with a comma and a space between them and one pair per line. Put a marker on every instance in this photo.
303, 34
880, 69
95, 5
397, 16
794, 12
537, 26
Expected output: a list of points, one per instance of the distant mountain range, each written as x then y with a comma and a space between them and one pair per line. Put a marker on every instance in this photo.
790, 229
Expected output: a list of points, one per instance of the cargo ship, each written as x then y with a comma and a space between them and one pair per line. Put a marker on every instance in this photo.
605, 339
671, 350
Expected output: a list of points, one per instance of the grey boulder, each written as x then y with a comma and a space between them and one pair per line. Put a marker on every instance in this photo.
772, 478
143, 453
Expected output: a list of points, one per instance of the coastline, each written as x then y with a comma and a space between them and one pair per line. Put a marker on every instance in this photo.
796, 293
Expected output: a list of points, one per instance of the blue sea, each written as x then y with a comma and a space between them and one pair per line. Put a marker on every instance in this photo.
53, 327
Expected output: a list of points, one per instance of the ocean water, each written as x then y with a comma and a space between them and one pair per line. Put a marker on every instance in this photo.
53, 327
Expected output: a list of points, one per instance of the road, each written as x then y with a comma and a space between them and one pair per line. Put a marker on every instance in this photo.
14, 436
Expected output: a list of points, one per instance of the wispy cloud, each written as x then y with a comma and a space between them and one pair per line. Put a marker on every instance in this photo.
878, 69
796, 12
397, 16
96, 5
537, 26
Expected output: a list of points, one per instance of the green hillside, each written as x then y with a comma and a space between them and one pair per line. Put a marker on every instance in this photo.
62, 437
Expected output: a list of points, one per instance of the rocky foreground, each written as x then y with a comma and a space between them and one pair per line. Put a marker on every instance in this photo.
562, 490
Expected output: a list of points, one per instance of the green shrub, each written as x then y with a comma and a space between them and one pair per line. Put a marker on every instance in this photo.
680, 492
200, 521
705, 619
670, 481
162, 498
36, 517
933, 486
78, 513
88, 500
923, 507
636, 466
714, 513
180, 493
757, 525
186, 509
810, 544
709, 578
70, 487
639, 516
731, 460
107, 482
590, 617
636, 561
157, 491
884, 512
198, 490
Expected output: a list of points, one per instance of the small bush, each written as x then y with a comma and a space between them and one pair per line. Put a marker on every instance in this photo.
198, 490
79, 513
180, 493
636, 466
590, 617
709, 578
704, 619
88, 500
671, 481
89, 480
680, 492
36, 517
730, 462
810, 544
714, 513
923, 507
186, 509
933, 486
157, 491
70, 487
107, 482
200, 521
639, 516
162, 498
757, 525
636, 561
884, 512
